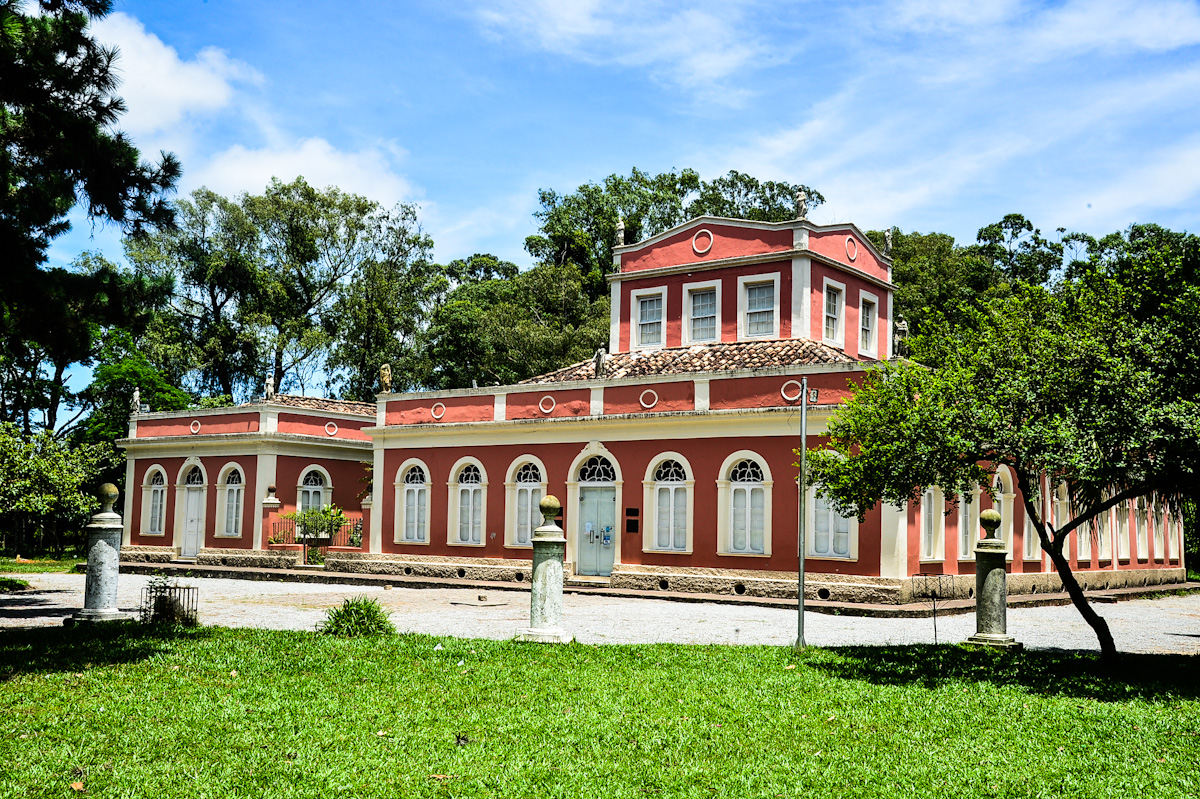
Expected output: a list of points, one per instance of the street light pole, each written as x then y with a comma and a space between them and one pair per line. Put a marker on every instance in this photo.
803, 513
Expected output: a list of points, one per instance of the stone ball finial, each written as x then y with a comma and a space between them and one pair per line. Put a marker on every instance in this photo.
549, 506
108, 497
990, 521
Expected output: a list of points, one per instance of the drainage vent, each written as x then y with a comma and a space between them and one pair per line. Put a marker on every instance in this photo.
519, 577
408, 571
664, 585
970, 593
739, 589
462, 572
823, 593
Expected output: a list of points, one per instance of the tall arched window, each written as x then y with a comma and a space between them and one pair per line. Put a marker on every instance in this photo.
470, 505
312, 491
830, 534
1143, 532
233, 503
747, 504
195, 477
968, 523
158, 502
415, 501
528, 497
1159, 538
670, 502
933, 525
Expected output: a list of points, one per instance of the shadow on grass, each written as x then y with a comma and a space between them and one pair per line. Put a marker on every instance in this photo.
50, 649
1166, 677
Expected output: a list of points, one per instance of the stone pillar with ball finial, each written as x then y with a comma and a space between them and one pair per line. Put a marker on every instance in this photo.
991, 587
545, 605
103, 562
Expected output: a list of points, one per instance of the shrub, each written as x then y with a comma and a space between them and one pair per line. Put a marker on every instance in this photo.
358, 617
8, 584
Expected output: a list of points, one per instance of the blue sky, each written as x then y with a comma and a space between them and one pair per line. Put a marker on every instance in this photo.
924, 114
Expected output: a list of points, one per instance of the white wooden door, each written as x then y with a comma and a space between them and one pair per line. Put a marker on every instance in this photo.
596, 536
193, 529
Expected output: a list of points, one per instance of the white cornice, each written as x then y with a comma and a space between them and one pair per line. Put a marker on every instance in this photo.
245, 443
260, 407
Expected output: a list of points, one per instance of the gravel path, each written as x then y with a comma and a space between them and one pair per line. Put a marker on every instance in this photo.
1171, 624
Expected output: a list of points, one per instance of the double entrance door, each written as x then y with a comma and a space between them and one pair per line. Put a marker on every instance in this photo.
193, 523
596, 536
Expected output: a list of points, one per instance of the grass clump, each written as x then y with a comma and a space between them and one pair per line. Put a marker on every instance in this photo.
358, 617
19, 565
8, 584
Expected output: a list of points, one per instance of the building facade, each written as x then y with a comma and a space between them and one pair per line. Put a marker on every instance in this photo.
673, 452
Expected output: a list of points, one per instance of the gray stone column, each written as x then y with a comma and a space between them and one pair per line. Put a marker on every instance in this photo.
103, 564
545, 603
991, 587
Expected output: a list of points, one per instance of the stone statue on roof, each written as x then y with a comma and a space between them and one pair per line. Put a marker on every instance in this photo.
269, 387
598, 362
801, 204
135, 405
887, 242
385, 378
620, 230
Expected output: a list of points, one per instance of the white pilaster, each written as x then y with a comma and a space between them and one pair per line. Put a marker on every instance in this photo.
598, 401
801, 299
893, 540
701, 391
264, 475
130, 488
500, 407
379, 484
614, 315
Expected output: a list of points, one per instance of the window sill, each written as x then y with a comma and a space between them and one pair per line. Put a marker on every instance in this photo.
227, 535
838, 345
744, 554
465, 544
931, 560
153, 535
408, 543
677, 552
507, 545
834, 558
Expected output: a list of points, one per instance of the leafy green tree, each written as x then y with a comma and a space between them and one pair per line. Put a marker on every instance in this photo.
59, 145
211, 257
381, 314
48, 488
581, 228
1093, 384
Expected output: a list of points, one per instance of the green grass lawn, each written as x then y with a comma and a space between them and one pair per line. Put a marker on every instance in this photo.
35, 565
126, 711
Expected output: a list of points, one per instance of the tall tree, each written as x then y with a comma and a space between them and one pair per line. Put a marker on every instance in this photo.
211, 256
1094, 383
58, 143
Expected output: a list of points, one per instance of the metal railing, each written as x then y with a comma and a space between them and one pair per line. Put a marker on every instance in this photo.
317, 538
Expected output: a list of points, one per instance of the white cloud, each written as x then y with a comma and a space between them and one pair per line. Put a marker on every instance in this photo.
161, 89
696, 48
370, 171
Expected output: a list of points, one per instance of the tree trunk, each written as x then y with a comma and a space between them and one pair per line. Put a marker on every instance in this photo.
1108, 648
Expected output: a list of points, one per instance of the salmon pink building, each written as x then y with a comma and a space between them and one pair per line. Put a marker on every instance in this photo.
672, 452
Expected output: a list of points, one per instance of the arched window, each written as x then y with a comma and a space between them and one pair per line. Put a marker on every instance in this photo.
932, 525
414, 500
1160, 552
597, 469
1143, 532
1030, 545
747, 505
528, 496
233, 503
158, 502
831, 532
195, 477
670, 502
1122, 530
1104, 535
470, 505
312, 491
968, 523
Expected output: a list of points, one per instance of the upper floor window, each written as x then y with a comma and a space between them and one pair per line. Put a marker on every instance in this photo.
704, 315
868, 315
833, 313
312, 491
650, 320
760, 309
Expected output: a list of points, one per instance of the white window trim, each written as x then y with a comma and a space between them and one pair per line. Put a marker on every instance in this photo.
1006, 505
750, 280
934, 511
838, 341
147, 490
326, 490
967, 537
223, 497
1104, 525
635, 308
510, 500
703, 285
1171, 533
650, 502
724, 509
870, 348
1122, 516
809, 552
1142, 522
452, 489
398, 511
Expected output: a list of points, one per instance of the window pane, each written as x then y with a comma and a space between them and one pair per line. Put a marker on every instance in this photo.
421, 514
738, 541
464, 514
820, 526
704, 315
477, 516
757, 518
866, 319
679, 517
410, 514
523, 528
662, 536
760, 297
650, 320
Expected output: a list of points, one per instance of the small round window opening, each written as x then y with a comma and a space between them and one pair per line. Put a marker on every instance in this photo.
791, 391
438, 410
542, 404
702, 242
195, 427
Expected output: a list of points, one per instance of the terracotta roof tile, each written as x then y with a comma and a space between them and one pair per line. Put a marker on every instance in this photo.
322, 404
732, 357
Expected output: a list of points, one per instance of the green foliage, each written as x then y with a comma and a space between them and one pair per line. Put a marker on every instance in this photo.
10, 584
357, 617
140, 711
321, 522
40, 565
1094, 383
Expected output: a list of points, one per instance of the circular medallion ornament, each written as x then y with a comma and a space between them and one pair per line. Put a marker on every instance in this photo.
331, 429
787, 387
438, 410
195, 428
702, 242
544, 400
649, 398
851, 248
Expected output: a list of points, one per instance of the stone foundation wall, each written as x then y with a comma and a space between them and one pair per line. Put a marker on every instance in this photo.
249, 558
499, 569
149, 554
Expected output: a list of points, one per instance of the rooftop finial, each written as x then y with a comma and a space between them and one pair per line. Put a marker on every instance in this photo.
269, 386
801, 203
135, 405
887, 241
598, 362
385, 378
620, 230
